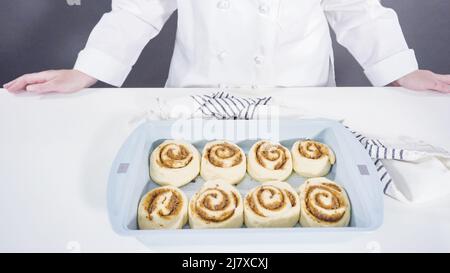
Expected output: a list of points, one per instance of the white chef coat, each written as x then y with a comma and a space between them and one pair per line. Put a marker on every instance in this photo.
236, 43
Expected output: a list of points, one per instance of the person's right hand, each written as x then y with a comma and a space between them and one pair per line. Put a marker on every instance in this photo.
60, 81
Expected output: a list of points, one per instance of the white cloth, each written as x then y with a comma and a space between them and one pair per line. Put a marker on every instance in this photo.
242, 43
410, 171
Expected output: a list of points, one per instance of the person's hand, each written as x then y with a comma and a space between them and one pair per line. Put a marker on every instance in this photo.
425, 80
61, 81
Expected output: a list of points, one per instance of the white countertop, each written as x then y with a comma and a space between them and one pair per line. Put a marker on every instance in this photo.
56, 152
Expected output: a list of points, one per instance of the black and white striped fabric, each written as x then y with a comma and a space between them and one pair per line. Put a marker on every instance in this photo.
378, 151
222, 105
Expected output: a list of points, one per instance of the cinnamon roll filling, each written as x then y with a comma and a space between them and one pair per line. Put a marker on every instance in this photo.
325, 203
271, 199
253, 206
163, 207
174, 156
224, 155
271, 156
210, 210
273, 204
313, 149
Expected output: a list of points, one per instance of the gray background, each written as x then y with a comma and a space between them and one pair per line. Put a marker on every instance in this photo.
47, 34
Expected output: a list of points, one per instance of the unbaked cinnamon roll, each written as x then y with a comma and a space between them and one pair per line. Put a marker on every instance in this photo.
174, 163
323, 204
163, 208
217, 204
223, 160
272, 204
269, 161
312, 158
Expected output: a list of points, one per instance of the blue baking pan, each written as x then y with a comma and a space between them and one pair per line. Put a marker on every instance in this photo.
129, 179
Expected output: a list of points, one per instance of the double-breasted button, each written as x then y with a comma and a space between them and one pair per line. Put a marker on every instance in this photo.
223, 4
264, 9
222, 55
259, 59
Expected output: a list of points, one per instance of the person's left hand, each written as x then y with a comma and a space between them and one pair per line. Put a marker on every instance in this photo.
425, 80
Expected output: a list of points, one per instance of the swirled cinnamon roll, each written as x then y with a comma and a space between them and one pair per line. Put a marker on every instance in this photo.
312, 158
323, 204
272, 204
163, 208
268, 161
217, 204
223, 160
174, 163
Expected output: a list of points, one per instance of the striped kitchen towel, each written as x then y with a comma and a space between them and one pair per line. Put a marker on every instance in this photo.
222, 105
378, 151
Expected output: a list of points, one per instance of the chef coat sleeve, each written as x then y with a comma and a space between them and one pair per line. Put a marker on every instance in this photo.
373, 35
117, 40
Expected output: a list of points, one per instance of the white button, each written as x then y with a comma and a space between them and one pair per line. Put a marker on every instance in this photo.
222, 55
264, 9
259, 59
224, 4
